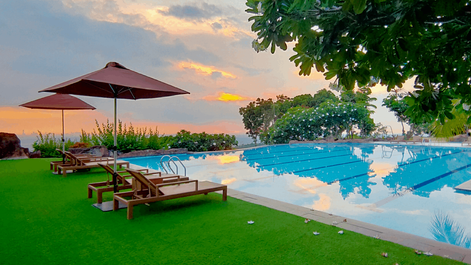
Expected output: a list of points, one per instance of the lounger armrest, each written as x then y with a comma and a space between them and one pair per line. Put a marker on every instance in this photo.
125, 173
171, 177
178, 182
152, 173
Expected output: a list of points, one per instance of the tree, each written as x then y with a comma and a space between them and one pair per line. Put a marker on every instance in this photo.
255, 117
396, 104
322, 96
364, 42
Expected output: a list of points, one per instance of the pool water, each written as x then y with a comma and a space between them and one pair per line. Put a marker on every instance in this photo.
403, 187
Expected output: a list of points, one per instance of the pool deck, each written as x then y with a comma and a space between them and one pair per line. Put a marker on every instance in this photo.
466, 186
405, 239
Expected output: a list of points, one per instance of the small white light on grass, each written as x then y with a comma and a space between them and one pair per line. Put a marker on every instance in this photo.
341, 232
250, 222
316, 233
428, 254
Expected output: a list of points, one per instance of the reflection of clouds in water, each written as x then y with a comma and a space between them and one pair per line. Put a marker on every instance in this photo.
228, 181
323, 204
307, 185
381, 169
225, 159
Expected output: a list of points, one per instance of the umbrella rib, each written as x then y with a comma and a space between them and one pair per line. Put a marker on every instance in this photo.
126, 89
92, 84
112, 89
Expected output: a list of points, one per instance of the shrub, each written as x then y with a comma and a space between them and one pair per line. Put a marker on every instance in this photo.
48, 144
130, 139
200, 142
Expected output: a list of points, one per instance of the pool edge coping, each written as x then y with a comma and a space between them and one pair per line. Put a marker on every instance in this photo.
405, 239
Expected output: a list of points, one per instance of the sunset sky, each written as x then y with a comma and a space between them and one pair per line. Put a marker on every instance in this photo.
203, 47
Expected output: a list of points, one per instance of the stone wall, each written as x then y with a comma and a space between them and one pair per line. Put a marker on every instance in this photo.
154, 152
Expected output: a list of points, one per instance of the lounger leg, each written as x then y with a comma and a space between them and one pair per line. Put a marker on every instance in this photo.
130, 208
64, 173
99, 196
224, 194
115, 204
90, 193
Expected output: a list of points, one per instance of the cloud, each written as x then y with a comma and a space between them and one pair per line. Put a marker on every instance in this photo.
226, 97
46, 47
205, 70
216, 26
193, 11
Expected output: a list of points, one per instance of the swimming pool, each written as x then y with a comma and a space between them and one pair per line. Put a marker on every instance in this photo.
403, 187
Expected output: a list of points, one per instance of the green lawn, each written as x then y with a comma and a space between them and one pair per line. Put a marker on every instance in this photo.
48, 219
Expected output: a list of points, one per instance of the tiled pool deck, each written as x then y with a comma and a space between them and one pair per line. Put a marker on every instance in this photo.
405, 239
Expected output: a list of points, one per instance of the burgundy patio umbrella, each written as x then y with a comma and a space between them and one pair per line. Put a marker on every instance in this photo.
59, 102
116, 81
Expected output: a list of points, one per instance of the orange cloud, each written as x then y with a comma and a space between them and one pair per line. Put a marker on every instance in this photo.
204, 70
225, 97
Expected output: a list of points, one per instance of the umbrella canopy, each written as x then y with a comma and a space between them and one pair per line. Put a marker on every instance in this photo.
116, 81
59, 102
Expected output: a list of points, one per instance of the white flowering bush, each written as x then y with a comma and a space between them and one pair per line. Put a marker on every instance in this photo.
329, 119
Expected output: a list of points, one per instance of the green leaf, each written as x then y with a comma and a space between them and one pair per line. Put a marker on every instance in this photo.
449, 115
329, 75
358, 6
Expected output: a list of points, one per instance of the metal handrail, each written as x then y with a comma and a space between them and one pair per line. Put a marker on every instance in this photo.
162, 165
169, 167
171, 159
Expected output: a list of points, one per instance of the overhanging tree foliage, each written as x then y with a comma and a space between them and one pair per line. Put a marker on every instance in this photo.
368, 41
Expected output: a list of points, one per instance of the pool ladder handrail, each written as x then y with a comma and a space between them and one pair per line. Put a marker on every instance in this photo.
169, 167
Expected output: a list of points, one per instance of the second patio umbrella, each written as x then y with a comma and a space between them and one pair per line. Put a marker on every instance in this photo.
116, 81
59, 102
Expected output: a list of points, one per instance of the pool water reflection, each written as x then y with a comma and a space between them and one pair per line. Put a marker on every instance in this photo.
406, 188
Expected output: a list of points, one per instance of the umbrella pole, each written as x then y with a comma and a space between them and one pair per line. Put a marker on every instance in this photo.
115, 186
63, 140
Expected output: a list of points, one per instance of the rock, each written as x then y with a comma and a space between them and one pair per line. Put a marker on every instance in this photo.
97, 150
36, 154
10, 147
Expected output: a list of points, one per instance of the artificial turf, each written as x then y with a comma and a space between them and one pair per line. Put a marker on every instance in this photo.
48, 219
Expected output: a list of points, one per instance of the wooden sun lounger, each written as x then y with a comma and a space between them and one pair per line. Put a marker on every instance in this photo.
127, 183
87, 163
54, 164
163, 191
